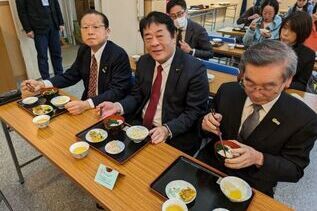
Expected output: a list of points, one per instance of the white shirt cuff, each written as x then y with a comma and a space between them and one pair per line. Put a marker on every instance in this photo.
47, 83
170, 134
91, 103
121, 108
193, 54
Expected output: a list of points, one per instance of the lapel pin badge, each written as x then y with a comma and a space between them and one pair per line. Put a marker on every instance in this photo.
104, 69
276, 121
178, 69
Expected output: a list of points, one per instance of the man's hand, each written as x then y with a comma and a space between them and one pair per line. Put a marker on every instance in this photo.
211, 123
184, 46
77, 107
253, 24
61, 28
108, 108
30, 87
248, 157
30, 34
158, 134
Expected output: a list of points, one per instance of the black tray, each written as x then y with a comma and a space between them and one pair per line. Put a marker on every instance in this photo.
42, 101
130, 149
9, 96
209, 195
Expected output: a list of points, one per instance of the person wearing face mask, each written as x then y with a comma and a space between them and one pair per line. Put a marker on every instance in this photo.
300, 5
294, 31
191, 37
265, 27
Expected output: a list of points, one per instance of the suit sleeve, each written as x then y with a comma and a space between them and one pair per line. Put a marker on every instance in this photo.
196, 103
23, 15
203, 49
243, 19
59, 13
120, 82
294, 157
70, 76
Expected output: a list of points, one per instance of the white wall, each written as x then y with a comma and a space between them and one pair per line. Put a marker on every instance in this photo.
124, 24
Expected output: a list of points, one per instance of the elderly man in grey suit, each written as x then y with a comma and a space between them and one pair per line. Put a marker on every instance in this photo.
192, 38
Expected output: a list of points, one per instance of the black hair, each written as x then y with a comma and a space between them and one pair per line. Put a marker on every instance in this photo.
300, 23
272, 3
104, 18
173, 3
158, 18
305, 7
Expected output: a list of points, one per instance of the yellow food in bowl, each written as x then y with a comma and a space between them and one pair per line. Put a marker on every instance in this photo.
79, 150
41, 121
235, 194
174, 207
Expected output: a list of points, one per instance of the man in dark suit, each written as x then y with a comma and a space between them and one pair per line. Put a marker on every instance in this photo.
171, 89
42, 20
275, 131
102, 65
192, 38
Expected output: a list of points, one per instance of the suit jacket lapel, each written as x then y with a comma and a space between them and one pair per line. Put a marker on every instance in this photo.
189, 32
104, 67
269, 124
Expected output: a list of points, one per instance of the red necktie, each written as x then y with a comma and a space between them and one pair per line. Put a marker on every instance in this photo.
92, 87
154, 99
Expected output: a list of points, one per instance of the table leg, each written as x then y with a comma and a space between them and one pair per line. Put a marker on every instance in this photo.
2, 197
12, 151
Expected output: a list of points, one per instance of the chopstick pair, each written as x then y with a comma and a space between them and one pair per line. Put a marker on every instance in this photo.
213, 113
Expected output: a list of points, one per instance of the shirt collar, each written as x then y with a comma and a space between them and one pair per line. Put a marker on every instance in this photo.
98, 54
266, 107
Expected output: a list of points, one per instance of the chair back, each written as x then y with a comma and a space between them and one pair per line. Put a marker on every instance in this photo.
224, 39
221, 67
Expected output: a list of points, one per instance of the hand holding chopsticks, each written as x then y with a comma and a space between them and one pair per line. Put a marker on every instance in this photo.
213, 113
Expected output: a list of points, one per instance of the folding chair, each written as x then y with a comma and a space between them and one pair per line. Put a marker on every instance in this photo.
221, 68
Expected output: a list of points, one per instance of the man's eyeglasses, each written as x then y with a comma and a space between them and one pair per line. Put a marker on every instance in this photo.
253, 87
85, 28
177, 15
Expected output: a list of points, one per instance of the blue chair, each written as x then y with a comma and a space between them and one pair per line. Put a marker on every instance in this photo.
221, 68
224, 39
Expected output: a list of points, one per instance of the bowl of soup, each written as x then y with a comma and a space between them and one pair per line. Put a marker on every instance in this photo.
41, 121
60, 101
30, 101
137, 133
79, 149
114, 123
174, 205
225, 151
235, 189
49, 92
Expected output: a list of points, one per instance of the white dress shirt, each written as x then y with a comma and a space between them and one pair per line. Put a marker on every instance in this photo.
97, 55
248, 109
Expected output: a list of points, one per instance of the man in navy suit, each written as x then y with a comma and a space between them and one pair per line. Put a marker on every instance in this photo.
42, 21
192, 38
102, 65
171, 89
275, 131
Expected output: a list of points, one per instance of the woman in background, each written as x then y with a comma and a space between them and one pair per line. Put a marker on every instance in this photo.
265, 27
311, 41
300, 5
294, 31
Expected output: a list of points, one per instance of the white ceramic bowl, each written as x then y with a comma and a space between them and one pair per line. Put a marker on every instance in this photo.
79, 145
30, 100
264, 30
231, 45
41, 121
230, 186
137, 133
171, 202
60, 101
211, 77
217, 40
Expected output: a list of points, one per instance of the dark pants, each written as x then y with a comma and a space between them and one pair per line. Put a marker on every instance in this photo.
44, 41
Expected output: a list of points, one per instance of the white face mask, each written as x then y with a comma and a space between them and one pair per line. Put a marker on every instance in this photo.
180, 23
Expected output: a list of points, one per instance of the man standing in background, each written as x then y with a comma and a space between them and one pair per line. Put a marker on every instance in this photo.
42, 21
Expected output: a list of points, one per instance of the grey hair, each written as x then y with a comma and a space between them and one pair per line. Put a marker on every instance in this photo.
270, 52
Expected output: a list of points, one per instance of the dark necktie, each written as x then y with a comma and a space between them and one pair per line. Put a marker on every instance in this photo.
154, 99
179, 37
92, 87
251, 122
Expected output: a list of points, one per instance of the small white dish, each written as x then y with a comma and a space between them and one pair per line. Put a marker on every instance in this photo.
235, 189
217, 40
30, 100
60, 101
211, 77
42, 109
79, 149
174, 202
264, 31
96, 135
220, 209
41, 121
137, 133
174, 188
231, 45
114, 147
